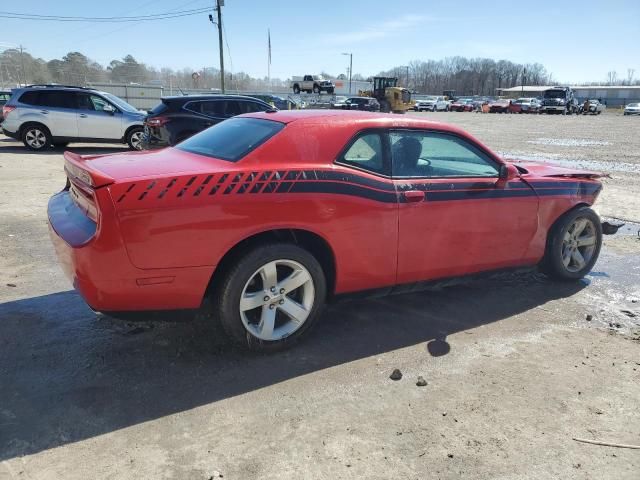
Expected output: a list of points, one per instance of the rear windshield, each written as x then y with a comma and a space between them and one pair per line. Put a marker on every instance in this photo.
161, 107
232, 139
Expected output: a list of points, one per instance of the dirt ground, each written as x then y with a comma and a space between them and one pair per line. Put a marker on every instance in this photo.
515, 368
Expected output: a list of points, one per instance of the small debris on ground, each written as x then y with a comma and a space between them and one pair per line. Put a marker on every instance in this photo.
450, 455
421, 382
11, 285
629, 313
589, 318
396, 375
216, 474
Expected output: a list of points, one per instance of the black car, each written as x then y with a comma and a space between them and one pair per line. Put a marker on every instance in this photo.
177, 118
361, 103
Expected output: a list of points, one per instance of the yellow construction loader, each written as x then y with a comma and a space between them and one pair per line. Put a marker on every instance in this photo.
391, 97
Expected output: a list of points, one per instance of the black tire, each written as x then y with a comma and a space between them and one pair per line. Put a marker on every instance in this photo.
36, 137
385, 106
316, 89
296, 89
134, 138
330, 91
226, 298
552, 263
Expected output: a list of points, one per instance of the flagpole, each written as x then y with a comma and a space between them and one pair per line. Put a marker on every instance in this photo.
269, 57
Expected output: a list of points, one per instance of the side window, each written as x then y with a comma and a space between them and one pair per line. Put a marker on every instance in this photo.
30, 98
366, 153
59, 99
91, 102
232, 108
98, 103
437, 155
211, 108
250, 107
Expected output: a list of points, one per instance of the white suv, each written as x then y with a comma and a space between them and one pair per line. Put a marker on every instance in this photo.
432, 104
46, 115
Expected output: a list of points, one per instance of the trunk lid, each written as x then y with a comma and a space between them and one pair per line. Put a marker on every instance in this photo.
106, 169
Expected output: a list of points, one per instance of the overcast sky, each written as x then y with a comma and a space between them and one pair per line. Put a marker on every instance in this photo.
575, 40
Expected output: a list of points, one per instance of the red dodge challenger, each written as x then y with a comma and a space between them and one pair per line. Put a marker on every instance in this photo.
271, 214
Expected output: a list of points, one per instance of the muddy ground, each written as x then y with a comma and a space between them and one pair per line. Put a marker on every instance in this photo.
515, 368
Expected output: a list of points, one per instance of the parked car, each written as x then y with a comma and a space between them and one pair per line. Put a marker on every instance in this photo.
526, 105
632, 109
338, 102
279, 102
462, 105
312, 84
361, 103
268, 216
594, 107
46, 115
432, 104
177, 118
5, 95
502, 105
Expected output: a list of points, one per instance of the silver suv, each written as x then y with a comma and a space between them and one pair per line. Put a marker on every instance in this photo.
46, 115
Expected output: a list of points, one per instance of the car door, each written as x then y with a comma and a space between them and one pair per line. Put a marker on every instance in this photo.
455, 215
58, 109
98, 118
369, 207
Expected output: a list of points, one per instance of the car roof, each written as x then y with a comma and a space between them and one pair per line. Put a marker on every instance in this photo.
213, 96
352, 117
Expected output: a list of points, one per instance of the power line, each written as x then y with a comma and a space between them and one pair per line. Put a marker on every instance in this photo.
138, 18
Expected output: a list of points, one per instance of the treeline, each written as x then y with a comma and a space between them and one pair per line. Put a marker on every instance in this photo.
467, 76
75, 68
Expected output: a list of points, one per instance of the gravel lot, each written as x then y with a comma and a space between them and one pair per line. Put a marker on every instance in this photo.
514, 369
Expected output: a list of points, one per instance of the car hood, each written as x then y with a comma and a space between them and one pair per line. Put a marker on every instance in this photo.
152, 164
539, 169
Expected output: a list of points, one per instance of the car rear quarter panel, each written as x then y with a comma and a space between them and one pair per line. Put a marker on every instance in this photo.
193, 220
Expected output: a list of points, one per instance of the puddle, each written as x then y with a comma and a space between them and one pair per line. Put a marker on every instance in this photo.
563, 161
568, 142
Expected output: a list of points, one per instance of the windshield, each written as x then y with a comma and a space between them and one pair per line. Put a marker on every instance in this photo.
554, 94
232, 139
121, 104
634, 105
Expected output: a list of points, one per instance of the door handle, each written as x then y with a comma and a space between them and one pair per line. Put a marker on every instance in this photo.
413, 196
83, 115
44, 111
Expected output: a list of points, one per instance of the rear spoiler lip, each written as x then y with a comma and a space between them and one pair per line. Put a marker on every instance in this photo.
98, 178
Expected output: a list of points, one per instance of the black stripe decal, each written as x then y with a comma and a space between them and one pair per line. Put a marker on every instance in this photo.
341, 188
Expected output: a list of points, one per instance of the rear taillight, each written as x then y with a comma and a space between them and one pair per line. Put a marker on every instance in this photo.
85, 199
157, 121
7, 109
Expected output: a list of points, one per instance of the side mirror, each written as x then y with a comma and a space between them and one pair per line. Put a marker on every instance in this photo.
507, 173
109, 109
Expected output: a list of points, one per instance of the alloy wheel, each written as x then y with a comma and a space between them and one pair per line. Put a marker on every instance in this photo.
277, 300
136, 140
579, 244
35, 138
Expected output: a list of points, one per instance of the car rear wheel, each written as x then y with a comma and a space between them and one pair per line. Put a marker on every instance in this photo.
271, 297
36, 137
134, 138
296, 89
573, 245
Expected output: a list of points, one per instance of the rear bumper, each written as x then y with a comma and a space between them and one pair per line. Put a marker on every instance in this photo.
97, 265
10, 134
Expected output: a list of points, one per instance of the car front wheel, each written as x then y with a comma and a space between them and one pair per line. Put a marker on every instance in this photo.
573, 245
271, 297
134, 138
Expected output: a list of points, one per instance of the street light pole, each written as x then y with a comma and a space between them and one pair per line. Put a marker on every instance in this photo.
350, 69
219, 3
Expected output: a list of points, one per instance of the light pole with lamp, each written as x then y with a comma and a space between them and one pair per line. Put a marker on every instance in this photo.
350, 69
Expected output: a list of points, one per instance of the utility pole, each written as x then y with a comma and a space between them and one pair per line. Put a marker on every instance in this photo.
24, 77
350, 69
219, 4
